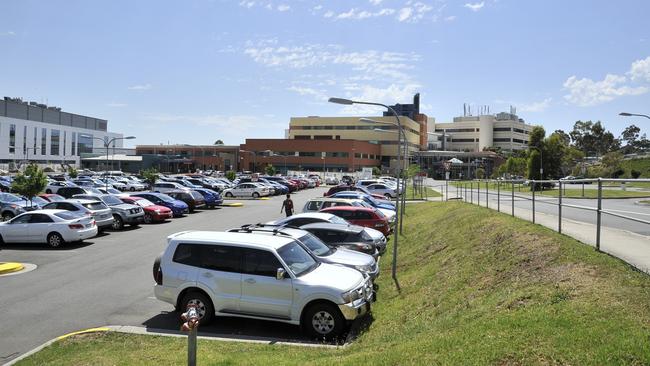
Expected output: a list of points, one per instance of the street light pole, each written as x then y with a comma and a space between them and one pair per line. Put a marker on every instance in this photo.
625, 114
399, 124
107, 144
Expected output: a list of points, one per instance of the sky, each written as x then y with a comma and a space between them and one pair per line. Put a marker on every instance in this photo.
196, 71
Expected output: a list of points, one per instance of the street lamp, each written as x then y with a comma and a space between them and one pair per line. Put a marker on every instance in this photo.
625, 114
107, 144
399, 124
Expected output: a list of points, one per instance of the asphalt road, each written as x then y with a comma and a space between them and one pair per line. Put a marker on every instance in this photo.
626, 207
108, 281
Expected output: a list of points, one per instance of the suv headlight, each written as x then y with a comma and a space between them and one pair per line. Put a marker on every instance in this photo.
366, 268
351, 295
363, 246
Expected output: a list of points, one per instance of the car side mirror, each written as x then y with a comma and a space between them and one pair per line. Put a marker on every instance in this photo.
280, 274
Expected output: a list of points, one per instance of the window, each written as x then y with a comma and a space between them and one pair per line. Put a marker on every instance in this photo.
260, 263
43, 141
24, 140
64, 142
362, 215
313, 205
501, 140
501, 129
74, 144
35, 140
221, 258
306, 153
85, 144
12, 138
54, 142
94, 206
40, 219
24, 219
343, 213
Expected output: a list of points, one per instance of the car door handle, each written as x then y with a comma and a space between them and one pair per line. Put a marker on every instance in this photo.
207, 274
250, 280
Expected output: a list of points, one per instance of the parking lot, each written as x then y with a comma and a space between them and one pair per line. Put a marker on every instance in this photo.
107, 280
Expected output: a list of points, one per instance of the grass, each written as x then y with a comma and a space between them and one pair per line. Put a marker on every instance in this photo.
420, 194
478, 287
590, 191
640, 165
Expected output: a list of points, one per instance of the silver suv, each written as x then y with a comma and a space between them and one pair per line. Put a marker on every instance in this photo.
261, 277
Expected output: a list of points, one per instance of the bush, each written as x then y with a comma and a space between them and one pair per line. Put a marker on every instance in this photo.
29, 183
617, 173
480, 173
231, 175
376, 171
150, 176
72, 172
635, 174
269, 170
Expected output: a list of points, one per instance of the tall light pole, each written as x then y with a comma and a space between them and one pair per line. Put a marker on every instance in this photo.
399, 124
107, 144
625, 114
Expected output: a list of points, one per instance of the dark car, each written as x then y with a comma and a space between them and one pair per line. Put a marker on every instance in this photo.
348, 236
179, 208
290, 185
68, 192
193, 199
212, 198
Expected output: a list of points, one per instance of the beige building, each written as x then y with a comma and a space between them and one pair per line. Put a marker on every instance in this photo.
475, 133
350, 128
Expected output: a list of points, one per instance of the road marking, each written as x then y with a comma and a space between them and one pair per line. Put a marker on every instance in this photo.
9, 267
91, 330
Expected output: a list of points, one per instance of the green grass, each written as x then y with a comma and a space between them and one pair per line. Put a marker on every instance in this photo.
478, 287
420, 194
590, 191
641, 165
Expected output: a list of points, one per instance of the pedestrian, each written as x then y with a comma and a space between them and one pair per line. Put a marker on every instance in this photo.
287, 206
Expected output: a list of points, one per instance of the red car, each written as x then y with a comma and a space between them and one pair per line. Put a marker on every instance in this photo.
152, 212
362, 216
51, 197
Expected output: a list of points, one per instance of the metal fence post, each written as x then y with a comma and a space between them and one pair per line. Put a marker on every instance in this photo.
513, 198
598, 212
478, 193
498, 196
559, 209
446, 190
471, 192
487, 198
583, 189
533, 185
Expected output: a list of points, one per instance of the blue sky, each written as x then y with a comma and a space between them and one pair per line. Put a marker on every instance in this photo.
197, 71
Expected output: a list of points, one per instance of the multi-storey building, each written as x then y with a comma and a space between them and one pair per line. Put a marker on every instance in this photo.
48, 136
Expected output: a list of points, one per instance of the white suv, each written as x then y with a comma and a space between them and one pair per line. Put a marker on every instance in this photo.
262, 277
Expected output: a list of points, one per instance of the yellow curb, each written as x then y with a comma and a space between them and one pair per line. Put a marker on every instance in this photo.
264, 198
9, 267
234, 204
91, 330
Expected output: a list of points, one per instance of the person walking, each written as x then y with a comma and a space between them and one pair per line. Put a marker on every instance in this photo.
287, 206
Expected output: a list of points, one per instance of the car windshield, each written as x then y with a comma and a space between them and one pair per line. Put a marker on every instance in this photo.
93, 190
39, 201
111, 200
371, 200
165, 198
55, 198
316, 245
8, 197
196, 195
94, 205
298, 260
143, 202
337, 220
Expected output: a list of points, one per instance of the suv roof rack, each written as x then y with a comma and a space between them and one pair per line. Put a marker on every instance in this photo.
249, 228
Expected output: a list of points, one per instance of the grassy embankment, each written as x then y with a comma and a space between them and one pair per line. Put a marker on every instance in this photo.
478, 287
574, 190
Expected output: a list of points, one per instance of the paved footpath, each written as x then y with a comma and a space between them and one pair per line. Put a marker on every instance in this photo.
630, 246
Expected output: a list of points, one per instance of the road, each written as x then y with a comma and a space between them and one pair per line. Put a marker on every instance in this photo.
108, 281
626, 207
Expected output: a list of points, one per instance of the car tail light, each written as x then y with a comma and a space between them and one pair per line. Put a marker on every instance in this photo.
76, 226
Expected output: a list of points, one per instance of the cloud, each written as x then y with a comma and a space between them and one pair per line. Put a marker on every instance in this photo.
140, 87
586, 92
375, 2
640, 70
328, 14
404, 14
236, 122
359, 14
283, 7
390, 94
450, 18
318, 94
116, 105
413, 13
7, 33
540, 106
475, 7
247, 4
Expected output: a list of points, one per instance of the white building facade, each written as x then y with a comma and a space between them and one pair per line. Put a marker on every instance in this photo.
47, 136
475, 133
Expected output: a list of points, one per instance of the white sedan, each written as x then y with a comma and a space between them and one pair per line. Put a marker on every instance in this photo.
54, 227
250, 189
130, 185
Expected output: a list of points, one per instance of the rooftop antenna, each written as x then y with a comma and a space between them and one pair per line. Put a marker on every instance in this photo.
464, 109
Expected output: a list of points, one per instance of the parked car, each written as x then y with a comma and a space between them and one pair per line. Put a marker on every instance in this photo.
254, 190
353, 237
317, 204
110, 190
382, 189
193, 199
130, 185
256, 276
212, 198
51, 197
123, 213
12, 205
331, 181
362, 262
374, 202
68, 192
164, 187
54, 227
53, 187
300, 219
348, 188
152, 212
362, 216
98, 210
179, 208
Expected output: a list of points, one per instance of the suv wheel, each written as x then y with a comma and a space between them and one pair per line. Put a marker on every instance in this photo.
388, 196
323, 321
132, 189
148, 219
256, 195
48, 191
228, 194
202, 303
118, 223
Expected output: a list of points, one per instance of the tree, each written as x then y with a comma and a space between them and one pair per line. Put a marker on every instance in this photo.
534, 165
635, 174
72, 172
480, 173
554, 155
634, 141
565, 136
231, 175
376, 171
150, 176
537, 136
30, 183
269, 169
592, 138
218, 142
515, 166
412, 170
